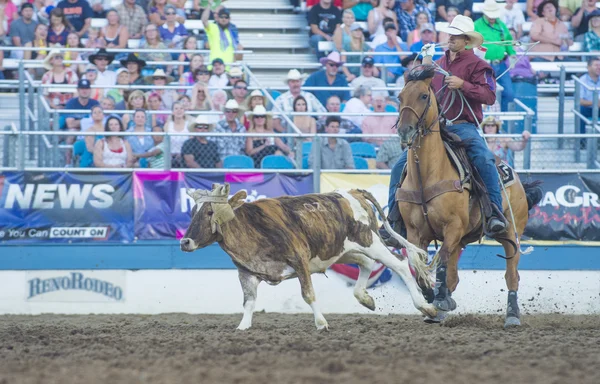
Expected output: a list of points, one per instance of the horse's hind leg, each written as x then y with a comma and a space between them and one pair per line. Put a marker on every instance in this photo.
360, 289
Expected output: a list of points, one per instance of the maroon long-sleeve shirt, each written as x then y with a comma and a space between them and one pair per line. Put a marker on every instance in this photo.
479, 84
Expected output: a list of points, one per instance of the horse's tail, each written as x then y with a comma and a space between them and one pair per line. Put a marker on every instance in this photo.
416, 256
533, 192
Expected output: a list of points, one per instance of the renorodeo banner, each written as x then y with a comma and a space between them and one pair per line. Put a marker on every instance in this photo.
66, 207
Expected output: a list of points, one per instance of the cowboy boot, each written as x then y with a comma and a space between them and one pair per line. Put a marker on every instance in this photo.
496, 223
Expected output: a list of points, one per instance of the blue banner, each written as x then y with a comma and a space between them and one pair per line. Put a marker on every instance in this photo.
162, 206
65, 207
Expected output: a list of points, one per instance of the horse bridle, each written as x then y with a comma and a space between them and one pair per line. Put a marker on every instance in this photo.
420, 122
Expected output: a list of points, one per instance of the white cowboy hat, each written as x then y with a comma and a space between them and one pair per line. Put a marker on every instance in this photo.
235, 72
333, 56
47, 63
491, 120
158, 73
260, 111
463, 25
295, 74
491, 9
232, 104
203, 120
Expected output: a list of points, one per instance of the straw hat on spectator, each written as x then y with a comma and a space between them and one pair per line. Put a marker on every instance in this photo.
463, 25
47, 63
204, 120
158, 73
235, 72
260, 111
491, 120
232, 104
491, 9
258, 93
295, 74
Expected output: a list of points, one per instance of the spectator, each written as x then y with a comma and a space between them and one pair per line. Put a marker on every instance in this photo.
532, 8
367, 77
79, 13
329, 76
122, 79
186, 101
198, 151
155, 156
219, 78
408, 63
59, 27
240, 92
335, 153
552, 33
73, 41
222, 37
102, 59
142, 143
567, 8
177, 123
501, 147
492, 28
285, 101
233, 145
522, 70
9, 12
415, 35
40, 11
580, 20
155, 104
592, 80
360, 8
134, 66
393, 67
451, 13
260, 147
389, 153
234, 75
195, 61
323, 19
219, 101
356, 45
153, 41
359, 104
160, 79
377, 124
97, 125
342, 33
91, 74
95, 40
172, 33
22, 30
156, 12
407, 12
465, 7
57, 74
334, 106
305, 123
256, 98
112, 151
115, 35
378, 18
180, 9
136, 100
427, 36
39, 41
99, 8
513, 18
82, 102
133, 17
312, 3
200, 75
88, 122
201, 98
592, 36
108, 104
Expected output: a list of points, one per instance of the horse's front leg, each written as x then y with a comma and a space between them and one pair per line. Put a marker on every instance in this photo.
447, 272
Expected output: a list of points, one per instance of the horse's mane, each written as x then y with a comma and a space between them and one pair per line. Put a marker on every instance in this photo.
421, 72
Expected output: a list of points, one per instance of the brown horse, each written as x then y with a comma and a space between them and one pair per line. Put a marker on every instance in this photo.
454, 216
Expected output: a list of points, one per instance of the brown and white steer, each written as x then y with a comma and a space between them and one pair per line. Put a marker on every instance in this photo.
277, 239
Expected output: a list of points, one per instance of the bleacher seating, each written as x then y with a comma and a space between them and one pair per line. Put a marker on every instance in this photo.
277, 162
360, 163
306, 148
238, 161
363, 149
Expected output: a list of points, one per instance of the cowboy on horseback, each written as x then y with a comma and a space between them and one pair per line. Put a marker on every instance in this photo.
474, 78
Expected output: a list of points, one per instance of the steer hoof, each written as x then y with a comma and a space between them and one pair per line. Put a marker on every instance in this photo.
448, 304
368, 302
322, 325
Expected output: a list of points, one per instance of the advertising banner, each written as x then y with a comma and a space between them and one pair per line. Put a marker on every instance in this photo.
163, 208
65, 207
75, 286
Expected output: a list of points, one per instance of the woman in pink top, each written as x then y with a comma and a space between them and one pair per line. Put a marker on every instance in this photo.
10, 13
550, 31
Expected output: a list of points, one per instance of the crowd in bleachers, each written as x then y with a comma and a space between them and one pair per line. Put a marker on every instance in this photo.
217, 85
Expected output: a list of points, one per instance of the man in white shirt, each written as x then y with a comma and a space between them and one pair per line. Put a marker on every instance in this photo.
102, 60
359, 104
368, 77
219, 78
513, 17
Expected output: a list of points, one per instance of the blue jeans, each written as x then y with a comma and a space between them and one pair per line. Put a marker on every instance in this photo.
506, 83
314, 43
479, 154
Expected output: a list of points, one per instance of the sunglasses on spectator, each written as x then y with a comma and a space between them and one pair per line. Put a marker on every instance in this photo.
332, 64
260, 116
231, 111
201, 126
224, 17
204, 73
170, 13
244, 88
160, 78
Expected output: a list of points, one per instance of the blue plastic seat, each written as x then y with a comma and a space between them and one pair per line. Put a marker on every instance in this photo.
275, 94
390, 108
306, 148
238, 161
276, 162
360, 163
305, 163
342, 106
362, 149
81, 156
